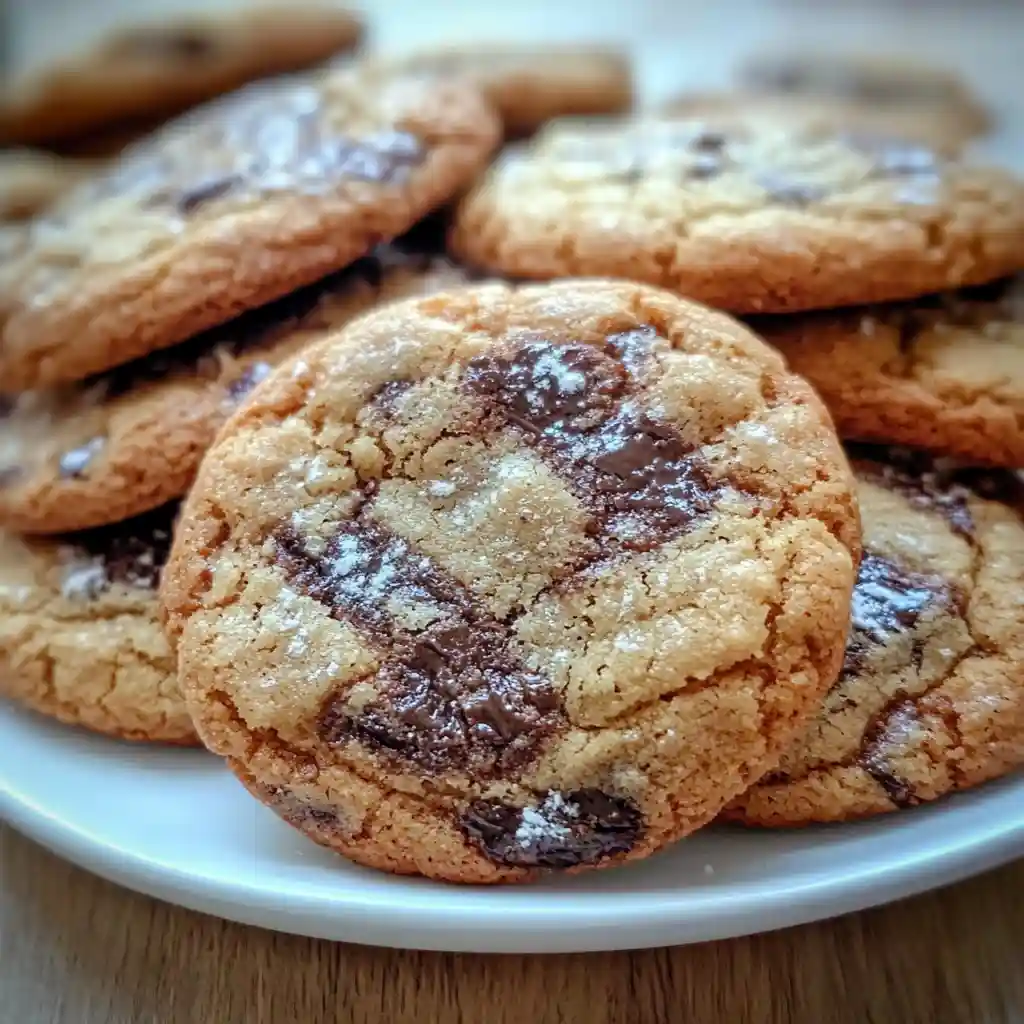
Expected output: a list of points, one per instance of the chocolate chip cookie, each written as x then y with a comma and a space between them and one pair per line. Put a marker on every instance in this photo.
821, 115
80, 632
510, 580
892, 86
161, 68
130, 439
30, 180
234, 205
748, 218
931, 696
945, 373
530, 85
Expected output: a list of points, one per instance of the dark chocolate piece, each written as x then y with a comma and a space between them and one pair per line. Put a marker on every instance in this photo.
561, 831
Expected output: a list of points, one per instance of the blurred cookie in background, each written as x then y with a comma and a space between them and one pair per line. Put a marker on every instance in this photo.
233, 205
886, 84
532, 84
80, 633
160, 68
30, 180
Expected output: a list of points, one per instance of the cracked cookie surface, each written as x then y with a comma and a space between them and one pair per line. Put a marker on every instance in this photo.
512, 580
931, 696
530, 85
158, 69
755, 217
945, 373
80, 633
233, 205
131, 439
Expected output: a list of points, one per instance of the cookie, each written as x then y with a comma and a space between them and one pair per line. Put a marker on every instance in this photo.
824, 114
891, 85
530, 85
130, 439
508, 580
931, 696
30, 180
161, 68
751, 218
945, 373
234, 205
80, 632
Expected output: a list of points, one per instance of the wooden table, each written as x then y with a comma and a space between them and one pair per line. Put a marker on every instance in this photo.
78, 950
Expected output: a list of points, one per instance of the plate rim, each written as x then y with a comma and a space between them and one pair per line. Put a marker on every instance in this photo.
556, 925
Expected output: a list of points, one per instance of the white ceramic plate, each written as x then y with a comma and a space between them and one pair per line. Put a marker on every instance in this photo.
176, 825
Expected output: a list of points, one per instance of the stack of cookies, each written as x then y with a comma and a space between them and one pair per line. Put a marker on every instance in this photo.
474, 578
141, 309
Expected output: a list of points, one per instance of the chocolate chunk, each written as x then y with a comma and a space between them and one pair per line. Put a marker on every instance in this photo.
560, 831
295, 810
73, 464
8, 403
639, 480
891, 729
250, 377
562, 388
888, 599
451, 694
786, 190
10, 475
920, 479
191, 198
132, 552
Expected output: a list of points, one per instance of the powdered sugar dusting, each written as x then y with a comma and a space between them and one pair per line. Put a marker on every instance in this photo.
440, 488
547, 821
566, 380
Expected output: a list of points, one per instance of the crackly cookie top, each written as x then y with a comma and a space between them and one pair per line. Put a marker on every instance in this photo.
931, 694
747, 214
945, 372
80, 632
516, 561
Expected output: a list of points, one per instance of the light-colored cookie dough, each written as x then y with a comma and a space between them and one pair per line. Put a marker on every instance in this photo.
80, 632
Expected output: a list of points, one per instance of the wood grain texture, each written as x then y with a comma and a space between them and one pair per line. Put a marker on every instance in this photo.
78, 950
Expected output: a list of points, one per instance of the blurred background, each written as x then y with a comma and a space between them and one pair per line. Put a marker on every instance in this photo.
678, 44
